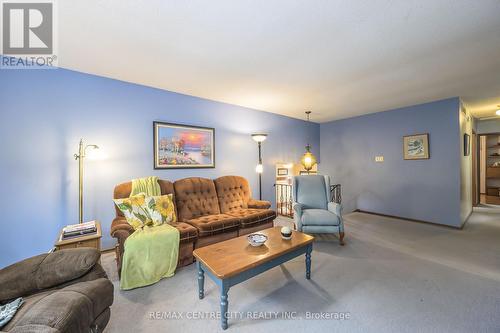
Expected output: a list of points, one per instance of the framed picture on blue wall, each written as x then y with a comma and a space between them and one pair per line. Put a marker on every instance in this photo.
416, 147
179, 146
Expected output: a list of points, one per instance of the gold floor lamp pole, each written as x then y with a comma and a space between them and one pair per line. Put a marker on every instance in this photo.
259, 138
82, 149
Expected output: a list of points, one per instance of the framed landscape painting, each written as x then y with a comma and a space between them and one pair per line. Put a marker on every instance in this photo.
181, 146
416, 147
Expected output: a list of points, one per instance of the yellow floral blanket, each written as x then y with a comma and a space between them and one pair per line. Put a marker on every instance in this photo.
150, 254
152, 251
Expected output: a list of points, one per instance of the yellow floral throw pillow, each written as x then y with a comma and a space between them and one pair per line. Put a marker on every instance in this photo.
135, 210
161, 209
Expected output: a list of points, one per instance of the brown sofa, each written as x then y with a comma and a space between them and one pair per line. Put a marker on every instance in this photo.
66, 291
208, 211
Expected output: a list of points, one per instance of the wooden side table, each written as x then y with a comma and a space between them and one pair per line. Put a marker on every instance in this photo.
93, 240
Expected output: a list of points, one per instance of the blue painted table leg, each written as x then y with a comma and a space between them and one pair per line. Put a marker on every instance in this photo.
308, 261
223, 305
201, 281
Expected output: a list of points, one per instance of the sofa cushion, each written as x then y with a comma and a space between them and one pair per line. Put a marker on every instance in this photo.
187, 232
27, 305
259, 204
319, 217
195, 197
71, 309
233, 193
214, 224
251, 217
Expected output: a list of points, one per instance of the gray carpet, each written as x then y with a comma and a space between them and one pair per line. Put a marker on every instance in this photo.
391, 276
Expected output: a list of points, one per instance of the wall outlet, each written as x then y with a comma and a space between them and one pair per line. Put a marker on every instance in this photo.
379, 158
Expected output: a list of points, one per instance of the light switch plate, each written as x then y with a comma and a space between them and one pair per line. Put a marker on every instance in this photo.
379, 158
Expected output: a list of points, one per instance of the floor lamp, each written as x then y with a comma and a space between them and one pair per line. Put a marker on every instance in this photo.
82, 149
259, 138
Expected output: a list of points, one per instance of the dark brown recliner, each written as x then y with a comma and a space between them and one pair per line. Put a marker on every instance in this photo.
120, 229
234, 199
66, 291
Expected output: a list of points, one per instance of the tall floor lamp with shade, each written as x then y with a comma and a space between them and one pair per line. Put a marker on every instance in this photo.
259, 138
82, 153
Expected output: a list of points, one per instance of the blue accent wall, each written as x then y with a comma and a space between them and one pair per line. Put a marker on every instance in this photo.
44, 113
427, 190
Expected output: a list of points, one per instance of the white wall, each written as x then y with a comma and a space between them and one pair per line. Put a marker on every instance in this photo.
466, 124
488, 126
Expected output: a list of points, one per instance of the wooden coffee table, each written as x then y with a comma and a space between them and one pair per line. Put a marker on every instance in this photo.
233, 261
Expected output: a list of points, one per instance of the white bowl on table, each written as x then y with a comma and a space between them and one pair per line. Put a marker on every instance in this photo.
257, 239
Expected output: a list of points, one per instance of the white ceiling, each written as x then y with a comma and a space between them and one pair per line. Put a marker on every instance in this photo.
338, 58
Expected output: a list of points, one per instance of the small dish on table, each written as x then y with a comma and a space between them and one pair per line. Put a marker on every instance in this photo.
257, 239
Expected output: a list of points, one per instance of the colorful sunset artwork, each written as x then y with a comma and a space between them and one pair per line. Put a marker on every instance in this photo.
181, 146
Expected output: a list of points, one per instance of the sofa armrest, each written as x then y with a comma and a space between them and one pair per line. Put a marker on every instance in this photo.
120, 229
297, 208
120, 224
335, 208
46, 271
297, 215
259, 204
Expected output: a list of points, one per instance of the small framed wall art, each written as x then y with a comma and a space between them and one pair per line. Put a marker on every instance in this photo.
416, 147
466, 144
282, 172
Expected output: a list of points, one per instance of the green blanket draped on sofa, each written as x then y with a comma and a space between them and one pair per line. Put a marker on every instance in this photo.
151, 253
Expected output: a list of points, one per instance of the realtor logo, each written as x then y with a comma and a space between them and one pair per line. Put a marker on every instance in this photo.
28, 29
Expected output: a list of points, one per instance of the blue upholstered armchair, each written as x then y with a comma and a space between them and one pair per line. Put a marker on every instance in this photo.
312, 210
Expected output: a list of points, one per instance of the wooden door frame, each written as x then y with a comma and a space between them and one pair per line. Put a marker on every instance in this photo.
486, 157
475, 175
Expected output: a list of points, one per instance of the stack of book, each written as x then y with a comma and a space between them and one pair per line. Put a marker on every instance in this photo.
77, 230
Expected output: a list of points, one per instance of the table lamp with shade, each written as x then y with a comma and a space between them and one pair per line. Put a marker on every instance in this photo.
82, 153
259, 138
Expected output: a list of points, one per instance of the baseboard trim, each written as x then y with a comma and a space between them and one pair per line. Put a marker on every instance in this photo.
408, 219
103, 251
467, 219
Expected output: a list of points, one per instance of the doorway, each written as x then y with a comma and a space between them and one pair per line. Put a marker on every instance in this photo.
489, 169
